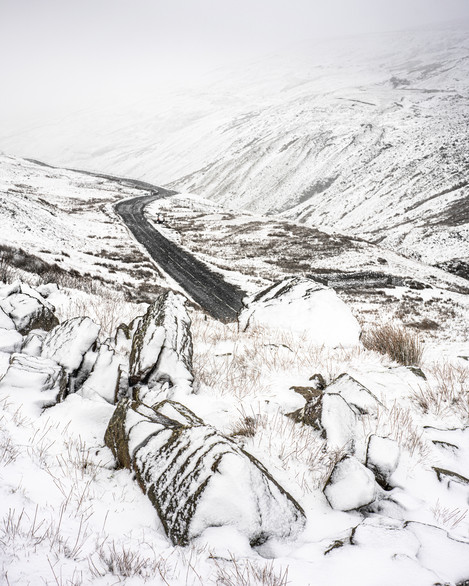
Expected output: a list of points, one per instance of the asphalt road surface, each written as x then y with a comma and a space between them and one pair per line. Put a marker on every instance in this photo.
219, 298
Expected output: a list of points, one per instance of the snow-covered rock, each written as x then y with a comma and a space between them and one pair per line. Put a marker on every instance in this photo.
382, 457
197, 478
161, 354
40, 375
32, 343
350, 485
68, 343
303, 306
452, 449
28, 312
6, 322
340, 423
440, 553
359, 397
104, 378
47, 290
10, 289
344, 405
10, 341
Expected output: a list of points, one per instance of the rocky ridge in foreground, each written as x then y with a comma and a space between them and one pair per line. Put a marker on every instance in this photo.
199, 479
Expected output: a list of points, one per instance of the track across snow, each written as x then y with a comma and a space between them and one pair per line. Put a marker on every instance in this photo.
220, 299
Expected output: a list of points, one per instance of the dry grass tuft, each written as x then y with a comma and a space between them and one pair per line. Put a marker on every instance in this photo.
108, 308
298, 450
447, 517
126, 563
398, 343
245, 427
7, 273
398, 424
448, 391
250, 574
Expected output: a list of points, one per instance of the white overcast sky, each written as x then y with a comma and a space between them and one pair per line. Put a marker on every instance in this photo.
51, 50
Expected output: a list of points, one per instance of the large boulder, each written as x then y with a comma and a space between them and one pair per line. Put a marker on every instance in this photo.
305, 307
197, 478
29, 313
161, 352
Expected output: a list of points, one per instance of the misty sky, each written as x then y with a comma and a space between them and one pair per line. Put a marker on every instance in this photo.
52, 51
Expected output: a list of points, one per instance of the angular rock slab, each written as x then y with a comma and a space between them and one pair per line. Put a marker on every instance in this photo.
382, 458
350, 486
197, 478
29, 313
40, 375
161, 351
345, 405
303, 306
104, 378
68, 343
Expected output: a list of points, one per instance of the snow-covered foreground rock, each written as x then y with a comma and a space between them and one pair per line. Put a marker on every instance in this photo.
196, 478
231, 457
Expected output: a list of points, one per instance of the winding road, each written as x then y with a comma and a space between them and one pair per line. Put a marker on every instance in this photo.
217, 297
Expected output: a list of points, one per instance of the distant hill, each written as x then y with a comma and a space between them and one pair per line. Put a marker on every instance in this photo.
364, 136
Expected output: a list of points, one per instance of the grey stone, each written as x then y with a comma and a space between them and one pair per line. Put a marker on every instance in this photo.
161, 353
29, 313
197, 478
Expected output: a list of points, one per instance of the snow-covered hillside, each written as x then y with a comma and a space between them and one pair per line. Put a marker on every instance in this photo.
364, 136
65, 223
66, 220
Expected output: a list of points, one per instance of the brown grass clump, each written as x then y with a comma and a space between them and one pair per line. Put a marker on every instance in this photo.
448, 393
248, 573
398, 343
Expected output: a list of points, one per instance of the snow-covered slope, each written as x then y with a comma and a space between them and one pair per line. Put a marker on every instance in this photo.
66, 219
365, 136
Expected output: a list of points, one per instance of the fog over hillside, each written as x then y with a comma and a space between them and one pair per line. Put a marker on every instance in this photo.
364, 134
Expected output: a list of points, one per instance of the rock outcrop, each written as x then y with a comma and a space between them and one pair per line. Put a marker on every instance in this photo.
29, 313
305, 307
197, 478
161, 353
72, 345
42, 376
